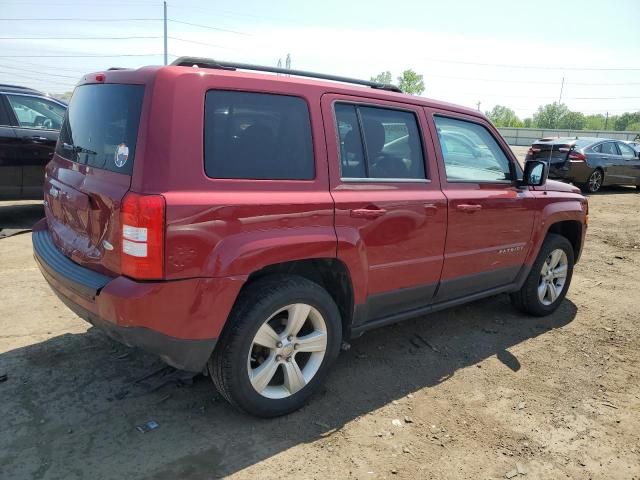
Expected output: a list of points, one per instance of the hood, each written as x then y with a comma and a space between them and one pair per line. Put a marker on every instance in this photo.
555, 186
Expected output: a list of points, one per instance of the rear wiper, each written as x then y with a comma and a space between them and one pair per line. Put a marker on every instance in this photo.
66, 146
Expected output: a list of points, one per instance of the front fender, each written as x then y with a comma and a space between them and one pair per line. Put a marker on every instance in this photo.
570, 208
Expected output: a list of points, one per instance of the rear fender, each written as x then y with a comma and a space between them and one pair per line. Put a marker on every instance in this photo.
245, 253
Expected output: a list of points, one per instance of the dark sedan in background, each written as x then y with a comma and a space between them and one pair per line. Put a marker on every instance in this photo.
29, 125
588, 162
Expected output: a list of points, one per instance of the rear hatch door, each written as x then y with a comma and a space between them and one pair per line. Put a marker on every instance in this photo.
91, 172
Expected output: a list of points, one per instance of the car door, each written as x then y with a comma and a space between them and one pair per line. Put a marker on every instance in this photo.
390, 214
37, 124
490, 219
612, 163
10, 166
631, 164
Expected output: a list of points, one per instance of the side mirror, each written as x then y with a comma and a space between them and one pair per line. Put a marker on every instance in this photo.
535, 173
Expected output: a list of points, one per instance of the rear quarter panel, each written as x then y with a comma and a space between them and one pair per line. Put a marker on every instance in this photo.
224, 227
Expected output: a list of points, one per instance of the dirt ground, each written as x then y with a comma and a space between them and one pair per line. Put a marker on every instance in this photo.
493, 394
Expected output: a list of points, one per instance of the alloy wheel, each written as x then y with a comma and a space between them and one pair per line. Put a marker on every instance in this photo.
553, 276
287, 351
595, 181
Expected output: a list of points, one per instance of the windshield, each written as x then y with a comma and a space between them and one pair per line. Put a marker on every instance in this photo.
101, 126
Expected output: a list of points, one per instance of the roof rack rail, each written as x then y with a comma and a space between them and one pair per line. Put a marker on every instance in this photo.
211, 63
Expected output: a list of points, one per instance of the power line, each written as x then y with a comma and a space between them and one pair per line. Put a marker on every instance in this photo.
537, 67
208, 27
30, 77
201, 43
86, 56
80, 19
79, 38
39, 72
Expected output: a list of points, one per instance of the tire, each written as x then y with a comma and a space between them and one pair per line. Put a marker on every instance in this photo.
295, 370
594, 183
528, 298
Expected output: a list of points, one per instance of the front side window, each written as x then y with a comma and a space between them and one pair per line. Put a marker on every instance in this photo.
379, 143
470, 152
626, 151
35, 112
257, 136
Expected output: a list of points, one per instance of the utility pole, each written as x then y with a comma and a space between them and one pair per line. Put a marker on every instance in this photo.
606, 121
165, 32
561, 88
478, 104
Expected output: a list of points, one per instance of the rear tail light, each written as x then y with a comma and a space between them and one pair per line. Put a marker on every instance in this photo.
142, 219
532, 150
577, 157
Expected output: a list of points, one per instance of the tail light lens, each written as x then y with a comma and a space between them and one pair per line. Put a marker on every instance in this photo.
577, 157
142, 220
532, 150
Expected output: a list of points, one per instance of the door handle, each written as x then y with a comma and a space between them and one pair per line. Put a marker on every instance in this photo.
367, 212
468, 208
430, 209
38, 138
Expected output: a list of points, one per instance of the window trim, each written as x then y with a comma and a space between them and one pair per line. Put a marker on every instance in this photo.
364, 143
12, 113
314, 153
512, 167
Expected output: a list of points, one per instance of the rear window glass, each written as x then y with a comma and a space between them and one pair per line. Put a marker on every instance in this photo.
101, 126
257, 136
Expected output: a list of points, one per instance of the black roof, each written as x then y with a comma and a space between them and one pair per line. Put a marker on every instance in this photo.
18, 89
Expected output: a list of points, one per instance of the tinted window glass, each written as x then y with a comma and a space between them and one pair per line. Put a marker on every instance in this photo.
352, 164
101, 127
626, 151
597, 148
393, 148
609, 148
35, 112
257, 136
470, 152
4, 117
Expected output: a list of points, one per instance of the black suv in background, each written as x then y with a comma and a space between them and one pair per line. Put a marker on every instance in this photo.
29, 125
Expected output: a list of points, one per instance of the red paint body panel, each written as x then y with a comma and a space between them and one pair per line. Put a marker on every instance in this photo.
220, 231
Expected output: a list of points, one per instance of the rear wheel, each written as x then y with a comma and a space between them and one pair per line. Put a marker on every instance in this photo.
594, 183
283, 335
549, 278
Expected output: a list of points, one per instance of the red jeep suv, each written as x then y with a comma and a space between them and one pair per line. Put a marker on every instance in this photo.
246, 224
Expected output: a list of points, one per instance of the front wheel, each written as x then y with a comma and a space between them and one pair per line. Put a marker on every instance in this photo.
549, 278
283, 335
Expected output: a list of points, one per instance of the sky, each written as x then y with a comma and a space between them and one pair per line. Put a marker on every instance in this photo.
512, 53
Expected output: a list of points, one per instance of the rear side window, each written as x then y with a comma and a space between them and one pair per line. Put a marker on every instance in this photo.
470, 152
101, 126
257, 136
609, 148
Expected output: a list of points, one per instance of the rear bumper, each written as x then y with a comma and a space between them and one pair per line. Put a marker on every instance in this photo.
179, 321
575, 172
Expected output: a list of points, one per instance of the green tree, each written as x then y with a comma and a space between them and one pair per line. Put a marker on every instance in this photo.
633, 127
548, 116
527, 123
502, 116
410, 82
383, 77
623, 121
572, 121
594, 122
